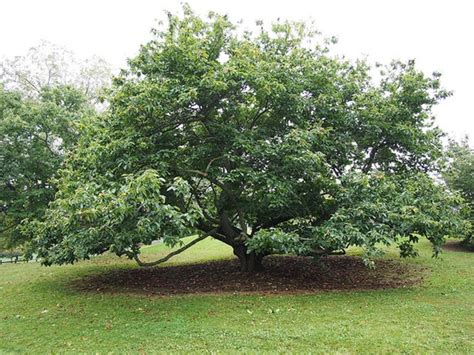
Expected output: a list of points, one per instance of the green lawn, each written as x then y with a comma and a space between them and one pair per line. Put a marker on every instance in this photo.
40, 313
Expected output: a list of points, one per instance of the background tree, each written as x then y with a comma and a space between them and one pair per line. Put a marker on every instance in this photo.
459, 175
263, 141
49, 65
35, 134
43, 95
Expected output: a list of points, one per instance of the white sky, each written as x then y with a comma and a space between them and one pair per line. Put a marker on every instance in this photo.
438, 34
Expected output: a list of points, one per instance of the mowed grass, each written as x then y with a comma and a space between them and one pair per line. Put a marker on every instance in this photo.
41, 313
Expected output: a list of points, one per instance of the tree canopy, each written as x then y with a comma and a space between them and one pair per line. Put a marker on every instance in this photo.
34, 136
43, 96
49, 65
262, 140
459, 176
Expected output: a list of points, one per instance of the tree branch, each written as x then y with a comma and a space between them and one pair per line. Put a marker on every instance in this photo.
258, 115
204, 212
212, 161
273, 222
170, 255
9, 227
30, 83
371, 159
45, 141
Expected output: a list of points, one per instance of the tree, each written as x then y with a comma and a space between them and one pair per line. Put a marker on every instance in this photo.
263, 141
49, 65
43, 95
459, 175
35, 134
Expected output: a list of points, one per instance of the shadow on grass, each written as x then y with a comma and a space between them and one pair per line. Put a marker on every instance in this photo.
456, 245
282, 275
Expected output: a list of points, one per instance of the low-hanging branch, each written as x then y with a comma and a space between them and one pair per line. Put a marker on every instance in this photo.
170, 255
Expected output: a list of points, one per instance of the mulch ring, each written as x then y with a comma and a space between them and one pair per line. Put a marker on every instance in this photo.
455, 245
282, 274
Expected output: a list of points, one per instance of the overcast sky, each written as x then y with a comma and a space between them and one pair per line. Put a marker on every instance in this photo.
438, 34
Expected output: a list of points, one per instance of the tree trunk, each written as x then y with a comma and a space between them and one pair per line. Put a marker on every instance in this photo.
249, 262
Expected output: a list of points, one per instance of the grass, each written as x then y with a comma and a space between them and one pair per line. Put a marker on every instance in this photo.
40, 313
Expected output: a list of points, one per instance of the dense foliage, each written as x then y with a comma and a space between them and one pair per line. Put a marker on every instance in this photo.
43, 95
459, 176
34, 136
263, 141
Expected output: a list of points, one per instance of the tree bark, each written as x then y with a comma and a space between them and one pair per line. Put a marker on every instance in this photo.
249, 262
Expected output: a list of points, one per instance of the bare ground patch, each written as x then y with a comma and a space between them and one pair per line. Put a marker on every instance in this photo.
454, 245
282, 274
